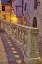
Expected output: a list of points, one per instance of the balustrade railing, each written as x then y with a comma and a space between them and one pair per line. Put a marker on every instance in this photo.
26, 39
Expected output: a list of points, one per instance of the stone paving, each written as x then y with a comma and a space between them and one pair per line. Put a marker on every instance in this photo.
3, 56
9, 53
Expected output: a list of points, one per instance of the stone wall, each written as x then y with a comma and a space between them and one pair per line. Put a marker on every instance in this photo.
30, 13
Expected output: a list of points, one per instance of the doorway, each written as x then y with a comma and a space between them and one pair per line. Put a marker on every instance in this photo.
34, 22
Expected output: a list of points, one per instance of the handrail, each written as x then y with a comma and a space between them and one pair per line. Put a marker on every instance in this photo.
27, 40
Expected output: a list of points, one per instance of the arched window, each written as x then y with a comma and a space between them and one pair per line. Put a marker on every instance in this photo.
34, 22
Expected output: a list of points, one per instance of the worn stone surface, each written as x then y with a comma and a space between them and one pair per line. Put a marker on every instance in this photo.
3, 56
32, 53
9, 53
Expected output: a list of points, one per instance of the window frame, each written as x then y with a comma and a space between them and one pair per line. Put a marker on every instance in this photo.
3, 8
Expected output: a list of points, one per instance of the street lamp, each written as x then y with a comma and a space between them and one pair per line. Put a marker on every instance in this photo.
14, 19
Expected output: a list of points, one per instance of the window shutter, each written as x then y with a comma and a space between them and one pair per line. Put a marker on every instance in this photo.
25, 6
35, 4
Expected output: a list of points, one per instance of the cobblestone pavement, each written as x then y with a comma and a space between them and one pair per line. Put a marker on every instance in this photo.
10, 53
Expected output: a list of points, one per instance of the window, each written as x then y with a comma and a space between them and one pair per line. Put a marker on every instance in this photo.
35, 4
22, 5
34, 22
25, 6
3, 8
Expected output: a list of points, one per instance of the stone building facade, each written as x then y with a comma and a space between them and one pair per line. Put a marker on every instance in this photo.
29, 12
33, 13
17, 9
6, 10
14, 7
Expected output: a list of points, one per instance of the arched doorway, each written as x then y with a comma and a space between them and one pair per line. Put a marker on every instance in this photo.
34, 22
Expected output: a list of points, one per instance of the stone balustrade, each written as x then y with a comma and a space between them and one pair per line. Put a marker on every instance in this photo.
26, 40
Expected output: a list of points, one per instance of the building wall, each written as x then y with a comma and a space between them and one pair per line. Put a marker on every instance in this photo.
0, 9
7, 13
30, 13
17, 9
14, 6
39, 17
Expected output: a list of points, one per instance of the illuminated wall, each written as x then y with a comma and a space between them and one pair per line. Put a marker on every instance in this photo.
17, 9
6, 15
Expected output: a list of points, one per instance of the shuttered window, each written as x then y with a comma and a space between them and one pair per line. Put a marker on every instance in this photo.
25, 6
35, 4
3, 8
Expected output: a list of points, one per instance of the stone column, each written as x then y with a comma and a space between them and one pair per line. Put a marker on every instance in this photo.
31, 55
